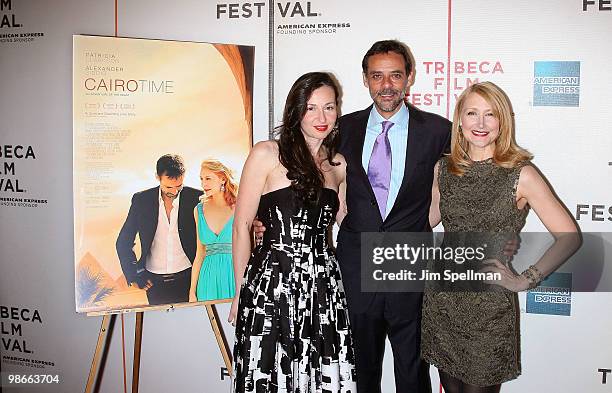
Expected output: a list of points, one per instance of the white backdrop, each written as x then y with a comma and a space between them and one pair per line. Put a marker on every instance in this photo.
492, 40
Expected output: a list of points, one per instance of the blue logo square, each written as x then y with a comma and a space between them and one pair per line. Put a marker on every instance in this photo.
553, 296
556, 83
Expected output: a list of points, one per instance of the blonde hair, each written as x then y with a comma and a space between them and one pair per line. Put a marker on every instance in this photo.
508, 153
226, 174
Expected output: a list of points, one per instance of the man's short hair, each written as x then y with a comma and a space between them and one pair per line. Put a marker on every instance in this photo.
387, 46
170, 165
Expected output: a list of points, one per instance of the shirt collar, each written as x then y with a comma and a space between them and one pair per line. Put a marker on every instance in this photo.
400, 118
175, 201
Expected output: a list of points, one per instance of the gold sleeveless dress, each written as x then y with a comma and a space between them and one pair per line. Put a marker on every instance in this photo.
474, 336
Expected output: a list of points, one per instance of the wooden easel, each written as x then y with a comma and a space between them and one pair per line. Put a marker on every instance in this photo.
108, 320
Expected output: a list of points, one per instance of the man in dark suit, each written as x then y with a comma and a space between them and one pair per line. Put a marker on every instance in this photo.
163, 219
390, 150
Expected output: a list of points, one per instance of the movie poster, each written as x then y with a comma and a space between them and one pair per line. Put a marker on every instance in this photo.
139, 105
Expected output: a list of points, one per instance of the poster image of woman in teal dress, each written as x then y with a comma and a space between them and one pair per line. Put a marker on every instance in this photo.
212, 275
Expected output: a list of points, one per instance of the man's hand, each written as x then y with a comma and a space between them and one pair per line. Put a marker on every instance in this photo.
140, 283
511, 247
258, 229
234, 310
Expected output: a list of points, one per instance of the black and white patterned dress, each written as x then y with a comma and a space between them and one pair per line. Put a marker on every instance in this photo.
292, 330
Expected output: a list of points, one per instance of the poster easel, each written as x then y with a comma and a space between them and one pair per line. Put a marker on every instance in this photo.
104, 338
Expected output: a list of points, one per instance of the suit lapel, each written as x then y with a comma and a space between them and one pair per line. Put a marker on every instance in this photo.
358, 141
185, 213
149, 218
156, 205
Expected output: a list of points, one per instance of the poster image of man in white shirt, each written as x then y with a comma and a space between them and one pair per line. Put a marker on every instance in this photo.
162, 217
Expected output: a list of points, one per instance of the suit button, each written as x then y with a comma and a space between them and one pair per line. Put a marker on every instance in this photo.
373, 202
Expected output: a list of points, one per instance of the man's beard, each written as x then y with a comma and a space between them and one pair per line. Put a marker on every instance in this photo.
389, 106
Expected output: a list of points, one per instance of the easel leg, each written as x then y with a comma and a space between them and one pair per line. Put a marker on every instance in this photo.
220, 336
137, 348
100, 348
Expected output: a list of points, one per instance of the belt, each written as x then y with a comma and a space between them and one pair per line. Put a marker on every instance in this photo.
167, 277
218, 248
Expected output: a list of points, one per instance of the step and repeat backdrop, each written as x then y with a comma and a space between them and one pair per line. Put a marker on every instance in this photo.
551, 58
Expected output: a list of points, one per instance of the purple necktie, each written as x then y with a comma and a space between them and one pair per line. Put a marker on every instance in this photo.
379, 167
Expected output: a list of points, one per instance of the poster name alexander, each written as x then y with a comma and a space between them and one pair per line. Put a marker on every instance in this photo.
8, 174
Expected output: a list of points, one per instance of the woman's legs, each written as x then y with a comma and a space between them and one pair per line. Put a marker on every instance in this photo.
467, 388
450, 383
454, 385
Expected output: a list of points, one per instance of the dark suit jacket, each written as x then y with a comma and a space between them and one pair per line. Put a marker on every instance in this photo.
428, 139
142, 219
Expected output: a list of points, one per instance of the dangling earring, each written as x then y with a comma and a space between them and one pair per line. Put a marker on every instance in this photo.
333, 132
222, 188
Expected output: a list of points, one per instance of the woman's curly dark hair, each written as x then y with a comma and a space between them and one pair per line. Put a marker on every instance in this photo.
306, 178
